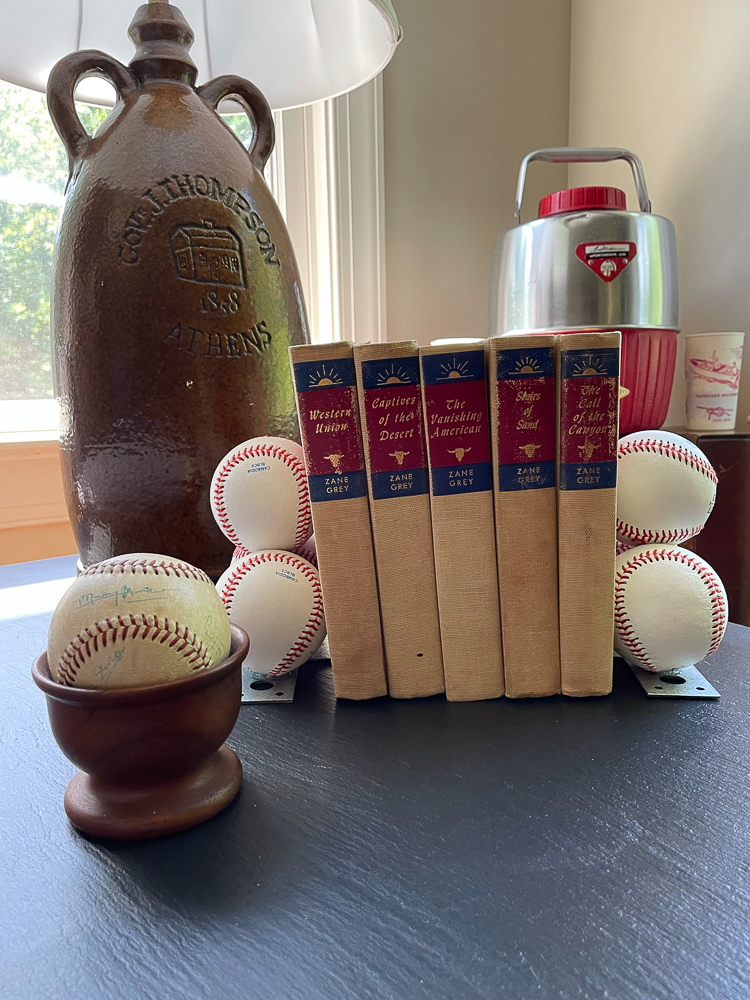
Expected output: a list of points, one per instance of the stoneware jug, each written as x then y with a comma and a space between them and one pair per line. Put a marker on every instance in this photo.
175, 297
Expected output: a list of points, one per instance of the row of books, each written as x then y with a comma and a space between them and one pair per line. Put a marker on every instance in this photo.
463, 501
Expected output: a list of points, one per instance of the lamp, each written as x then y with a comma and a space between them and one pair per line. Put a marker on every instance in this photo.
294, 51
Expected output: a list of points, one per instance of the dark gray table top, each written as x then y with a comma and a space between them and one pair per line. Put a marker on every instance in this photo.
529, 849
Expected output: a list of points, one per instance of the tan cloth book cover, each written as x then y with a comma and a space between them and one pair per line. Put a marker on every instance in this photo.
521, 372
329, 422
588, 369
390, 403
457, 430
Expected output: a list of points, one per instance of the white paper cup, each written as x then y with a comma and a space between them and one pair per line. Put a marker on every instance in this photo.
712, 380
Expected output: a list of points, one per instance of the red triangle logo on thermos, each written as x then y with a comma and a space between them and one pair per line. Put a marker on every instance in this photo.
606, 260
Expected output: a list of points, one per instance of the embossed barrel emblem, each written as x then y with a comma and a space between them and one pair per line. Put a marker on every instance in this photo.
207, 255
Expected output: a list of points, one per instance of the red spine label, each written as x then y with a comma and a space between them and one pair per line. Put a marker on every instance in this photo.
525, 418
395, 431
329, 422
458, 438
589, 402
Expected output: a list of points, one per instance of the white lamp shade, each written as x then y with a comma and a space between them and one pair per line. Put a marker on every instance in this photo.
295, 51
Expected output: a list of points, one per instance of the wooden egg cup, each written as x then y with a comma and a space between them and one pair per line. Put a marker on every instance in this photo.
152, 758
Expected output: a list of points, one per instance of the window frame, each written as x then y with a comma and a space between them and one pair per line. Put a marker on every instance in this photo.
326, 174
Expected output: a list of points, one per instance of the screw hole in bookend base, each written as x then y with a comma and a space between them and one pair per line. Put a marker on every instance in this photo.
687, 682
268, 690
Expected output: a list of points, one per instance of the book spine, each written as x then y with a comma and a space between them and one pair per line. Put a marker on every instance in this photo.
329, 423
393, 435
588, 366
524, 445
454, 394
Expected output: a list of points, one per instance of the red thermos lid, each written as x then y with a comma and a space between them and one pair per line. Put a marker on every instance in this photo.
581, 199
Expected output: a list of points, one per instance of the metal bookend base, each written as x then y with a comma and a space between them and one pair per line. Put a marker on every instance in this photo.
684, 683
279, 690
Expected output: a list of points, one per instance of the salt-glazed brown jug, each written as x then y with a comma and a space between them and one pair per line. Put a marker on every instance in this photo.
175, 297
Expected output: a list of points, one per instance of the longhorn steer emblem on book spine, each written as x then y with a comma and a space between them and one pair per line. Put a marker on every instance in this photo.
587, 449
529, 450
399, 456
459, 453
335, 461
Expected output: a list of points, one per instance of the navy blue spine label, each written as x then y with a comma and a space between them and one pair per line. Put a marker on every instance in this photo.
309, 375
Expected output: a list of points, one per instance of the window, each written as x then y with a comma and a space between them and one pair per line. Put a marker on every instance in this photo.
325, 173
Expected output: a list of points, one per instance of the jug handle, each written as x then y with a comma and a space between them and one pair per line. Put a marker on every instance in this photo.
583, 154
61, 86
256, 108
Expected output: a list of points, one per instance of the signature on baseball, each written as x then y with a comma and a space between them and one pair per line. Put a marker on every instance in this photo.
123, 595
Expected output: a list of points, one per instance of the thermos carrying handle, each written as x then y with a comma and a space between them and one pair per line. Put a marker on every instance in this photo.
581, 154
63, 80
256, 108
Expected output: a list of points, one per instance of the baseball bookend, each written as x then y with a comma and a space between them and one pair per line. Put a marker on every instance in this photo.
152, 758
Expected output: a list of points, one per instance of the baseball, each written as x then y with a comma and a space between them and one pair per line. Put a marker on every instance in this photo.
666, 488
137, 619
259, 495
276, 597
670, 607
306, 550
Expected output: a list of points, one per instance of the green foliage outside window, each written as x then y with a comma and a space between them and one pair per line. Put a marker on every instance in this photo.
33, 174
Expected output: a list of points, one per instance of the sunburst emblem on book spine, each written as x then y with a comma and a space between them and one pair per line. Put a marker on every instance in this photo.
528, 365
591, 365
395, 375
325, 376
454, 370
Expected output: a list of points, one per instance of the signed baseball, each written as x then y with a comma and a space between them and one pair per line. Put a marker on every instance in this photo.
666, 488
276, 597
137, 619
670, 607
259, 495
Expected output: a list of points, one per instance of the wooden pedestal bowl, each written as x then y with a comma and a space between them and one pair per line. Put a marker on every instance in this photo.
152, 758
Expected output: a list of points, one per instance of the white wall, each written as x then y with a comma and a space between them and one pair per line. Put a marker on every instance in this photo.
671, 81
473, 87
476, 85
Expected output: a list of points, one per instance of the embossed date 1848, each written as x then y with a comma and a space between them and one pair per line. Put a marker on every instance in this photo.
217, 343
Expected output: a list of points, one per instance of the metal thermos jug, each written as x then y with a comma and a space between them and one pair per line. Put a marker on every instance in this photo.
175, 297
588, 264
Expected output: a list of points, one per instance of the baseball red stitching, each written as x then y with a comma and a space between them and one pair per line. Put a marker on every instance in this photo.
119, 627
168, 567
316, 618
267, 451
670, 449
683, 455
645, 536
623, 624
240, 552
